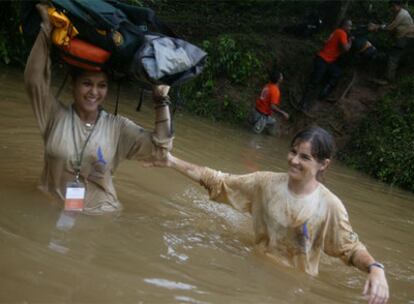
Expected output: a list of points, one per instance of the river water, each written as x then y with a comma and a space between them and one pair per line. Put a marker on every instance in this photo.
171, 244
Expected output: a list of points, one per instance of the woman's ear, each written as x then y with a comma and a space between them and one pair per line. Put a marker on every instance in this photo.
325, 164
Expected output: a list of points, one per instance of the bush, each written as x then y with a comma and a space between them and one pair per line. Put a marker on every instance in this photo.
227, 63
12, 47
383, 144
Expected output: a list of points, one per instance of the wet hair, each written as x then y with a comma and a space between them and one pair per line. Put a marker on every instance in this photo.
274, 75
322, 142
75, 72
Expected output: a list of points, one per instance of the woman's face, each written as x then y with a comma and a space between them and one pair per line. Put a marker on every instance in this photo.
303, 167
90, 89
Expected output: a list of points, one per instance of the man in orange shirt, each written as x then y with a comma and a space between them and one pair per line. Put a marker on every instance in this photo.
326, 62
267, 103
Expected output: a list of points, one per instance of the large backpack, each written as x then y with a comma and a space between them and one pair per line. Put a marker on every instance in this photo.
109, 24
123, 30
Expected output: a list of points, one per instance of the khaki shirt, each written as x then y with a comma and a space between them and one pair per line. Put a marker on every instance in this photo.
114, 138
402, 25
288, 229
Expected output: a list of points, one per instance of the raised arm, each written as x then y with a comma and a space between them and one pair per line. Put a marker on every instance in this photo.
162, 132
37, 74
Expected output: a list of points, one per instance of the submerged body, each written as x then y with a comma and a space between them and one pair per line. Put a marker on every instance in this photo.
295, 217
290, 229
83, 140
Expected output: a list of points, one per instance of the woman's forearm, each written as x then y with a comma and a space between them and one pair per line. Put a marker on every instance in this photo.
37, 75
162, 121
188, 169
162, 129
362, 259
37, 71
38, 63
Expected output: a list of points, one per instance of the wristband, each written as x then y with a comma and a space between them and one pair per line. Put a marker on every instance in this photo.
162, 99
375, 264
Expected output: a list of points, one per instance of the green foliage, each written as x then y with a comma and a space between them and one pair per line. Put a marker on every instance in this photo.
4, 51
383, 144
227, 63
227, 60
12, 47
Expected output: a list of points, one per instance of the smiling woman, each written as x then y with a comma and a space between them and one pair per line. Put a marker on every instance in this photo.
90, 90
295, 217
83, 143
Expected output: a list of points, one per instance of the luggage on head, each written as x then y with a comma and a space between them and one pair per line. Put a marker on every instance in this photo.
85, 55
117, 36
167, 60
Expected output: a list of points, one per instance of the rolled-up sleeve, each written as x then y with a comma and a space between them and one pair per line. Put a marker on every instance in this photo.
340, 239
239, 191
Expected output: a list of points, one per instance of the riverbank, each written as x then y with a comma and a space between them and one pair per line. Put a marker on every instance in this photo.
250, 37
245, 38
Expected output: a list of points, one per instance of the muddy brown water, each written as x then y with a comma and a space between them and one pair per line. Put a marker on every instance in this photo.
171, 244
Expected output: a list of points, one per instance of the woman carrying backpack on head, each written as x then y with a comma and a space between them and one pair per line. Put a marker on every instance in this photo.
83, 143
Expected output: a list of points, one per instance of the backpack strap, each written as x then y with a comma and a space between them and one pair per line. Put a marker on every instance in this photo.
117, 96
141, 99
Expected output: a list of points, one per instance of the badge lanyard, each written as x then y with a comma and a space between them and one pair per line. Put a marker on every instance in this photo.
79, 156
75, 190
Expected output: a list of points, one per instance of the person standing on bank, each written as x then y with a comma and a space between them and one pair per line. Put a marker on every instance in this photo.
83, 143
326, 62
402, 29
267, 104
295, 217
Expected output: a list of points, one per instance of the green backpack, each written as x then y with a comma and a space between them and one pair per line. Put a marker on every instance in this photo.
108, 24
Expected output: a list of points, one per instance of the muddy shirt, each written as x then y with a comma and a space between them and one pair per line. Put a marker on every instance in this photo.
113, 139
290, 230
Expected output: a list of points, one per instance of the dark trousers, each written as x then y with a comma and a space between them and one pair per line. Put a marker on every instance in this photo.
321, 69
401, 48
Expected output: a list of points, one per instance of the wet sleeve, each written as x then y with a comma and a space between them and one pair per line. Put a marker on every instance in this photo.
275, 95
239, 191
340, 240
136, 143
37, 76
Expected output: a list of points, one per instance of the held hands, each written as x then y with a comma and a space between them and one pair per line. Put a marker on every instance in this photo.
372, 27
160, 163
376, 287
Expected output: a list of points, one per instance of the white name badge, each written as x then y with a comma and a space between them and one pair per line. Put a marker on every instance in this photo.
75, 197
